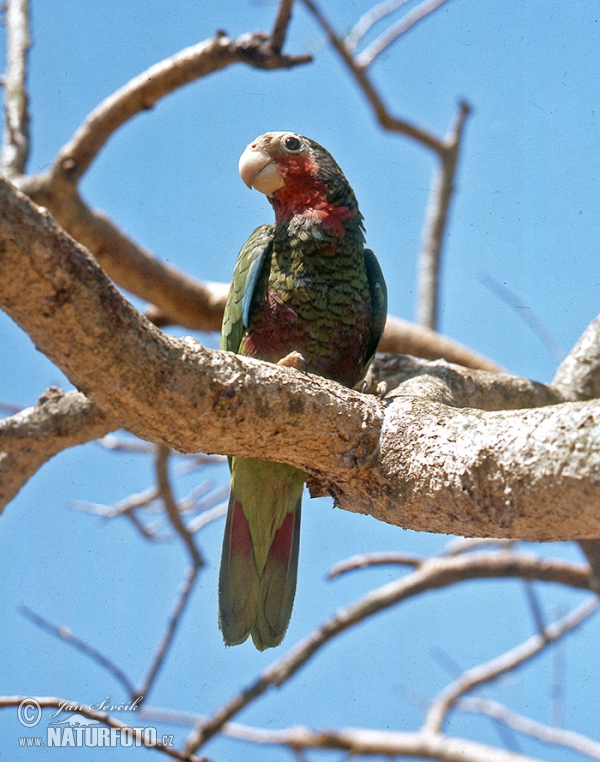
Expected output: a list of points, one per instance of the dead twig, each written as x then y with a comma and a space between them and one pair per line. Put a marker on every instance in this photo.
15, 148
484, 673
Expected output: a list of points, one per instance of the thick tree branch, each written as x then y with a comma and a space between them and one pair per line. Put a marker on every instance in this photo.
29, 438
403, 338
578, 376
399, 460
15, 148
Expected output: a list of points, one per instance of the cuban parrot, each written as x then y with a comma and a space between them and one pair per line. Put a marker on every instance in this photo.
304, 285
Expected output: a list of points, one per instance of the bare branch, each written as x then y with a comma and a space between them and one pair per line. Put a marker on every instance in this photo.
525, 314
407, 22
458, 545
166, 493
386, 120
281, 25
142, 92
578, 376
458, 387
368, 19
15, 149
183, 597
485, 673
52, 702
29, 438
555, 736
438, 209
380, 743
432, 574
207, 517
374, 559
64, 633
403, 338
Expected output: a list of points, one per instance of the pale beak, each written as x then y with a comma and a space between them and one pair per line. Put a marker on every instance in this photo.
259, 171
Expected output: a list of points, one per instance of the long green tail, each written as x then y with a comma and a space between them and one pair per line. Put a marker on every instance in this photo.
259, 563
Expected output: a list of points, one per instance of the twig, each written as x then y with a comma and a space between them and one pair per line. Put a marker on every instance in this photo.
113, 442
447, 151
368, 19
386, 120
535, 606
64, 633
433, 574
508, 661
15, 149
161, 460
183, 597
466, 544
556, 736
142, 92
374, 559
207, 517
454, 670
526, 314
280, 28
46, 702
438, 209
10, 408
413, 17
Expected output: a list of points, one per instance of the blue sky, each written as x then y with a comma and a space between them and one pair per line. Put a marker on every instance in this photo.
526, 213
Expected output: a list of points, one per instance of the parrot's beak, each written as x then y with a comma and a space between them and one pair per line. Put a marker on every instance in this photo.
259, 171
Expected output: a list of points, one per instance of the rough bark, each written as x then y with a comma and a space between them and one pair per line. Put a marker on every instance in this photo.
419, 458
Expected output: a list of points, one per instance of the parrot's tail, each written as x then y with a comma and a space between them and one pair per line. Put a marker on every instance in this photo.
257, 581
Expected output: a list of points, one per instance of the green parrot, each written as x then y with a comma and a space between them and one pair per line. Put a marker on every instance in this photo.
304, 285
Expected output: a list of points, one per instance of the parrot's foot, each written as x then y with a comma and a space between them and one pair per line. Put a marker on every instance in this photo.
294, 360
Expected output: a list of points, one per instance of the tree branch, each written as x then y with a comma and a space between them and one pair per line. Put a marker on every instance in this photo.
142, 92
555, 736
29, 438
377, 47
432, 574
490, 470
386, 120
578, 376
436, 221
15, 149
284, 14
380, 743
485, 673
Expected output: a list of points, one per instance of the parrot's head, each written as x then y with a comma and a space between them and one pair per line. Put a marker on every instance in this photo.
299, 177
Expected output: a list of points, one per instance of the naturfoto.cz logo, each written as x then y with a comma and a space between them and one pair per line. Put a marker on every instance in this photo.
77, 730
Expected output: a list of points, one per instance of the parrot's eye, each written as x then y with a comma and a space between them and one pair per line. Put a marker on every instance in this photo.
292, 144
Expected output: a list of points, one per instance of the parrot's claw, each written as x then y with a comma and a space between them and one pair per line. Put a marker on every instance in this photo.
294, 360
381, 389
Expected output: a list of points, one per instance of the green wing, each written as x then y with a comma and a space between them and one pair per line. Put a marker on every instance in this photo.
243, 284
378, 291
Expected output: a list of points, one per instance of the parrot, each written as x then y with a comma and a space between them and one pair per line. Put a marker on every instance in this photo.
306, 290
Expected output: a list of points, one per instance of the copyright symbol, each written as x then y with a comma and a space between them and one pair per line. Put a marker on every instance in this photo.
29, 712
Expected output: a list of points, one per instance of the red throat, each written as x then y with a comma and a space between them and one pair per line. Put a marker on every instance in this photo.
305, 194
